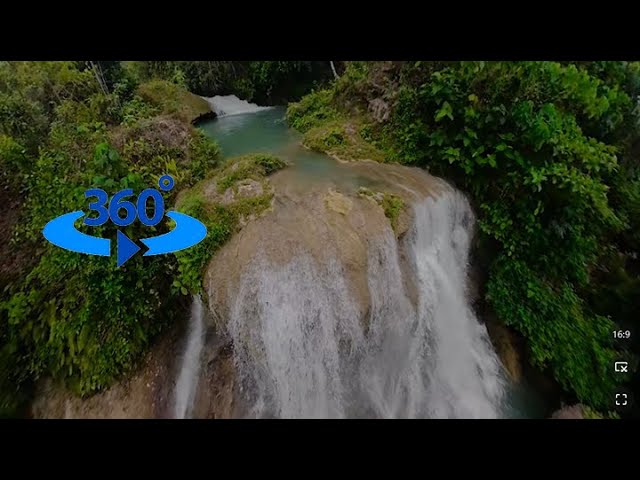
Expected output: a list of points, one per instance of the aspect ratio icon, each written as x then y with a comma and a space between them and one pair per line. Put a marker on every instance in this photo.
621, 367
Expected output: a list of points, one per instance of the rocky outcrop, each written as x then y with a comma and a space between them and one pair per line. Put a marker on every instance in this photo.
379, 110
150, 391
570, 412
319, 220
507, 347
162, 130
147, 393
175, 101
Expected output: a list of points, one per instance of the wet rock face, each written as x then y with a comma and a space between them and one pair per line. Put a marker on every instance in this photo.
147, 393
150, 391
314, 219
215, 393
507, 347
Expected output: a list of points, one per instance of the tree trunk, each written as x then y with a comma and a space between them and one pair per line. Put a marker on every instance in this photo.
333, 69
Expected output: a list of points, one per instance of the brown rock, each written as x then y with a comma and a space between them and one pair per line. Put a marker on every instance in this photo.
249, 188
318, 219
507, 348
228, 197
147, 393
379, 110
573, 412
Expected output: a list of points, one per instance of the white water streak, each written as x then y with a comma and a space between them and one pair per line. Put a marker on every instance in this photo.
226, 105
187, 383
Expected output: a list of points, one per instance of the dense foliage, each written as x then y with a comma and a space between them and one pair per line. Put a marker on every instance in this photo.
543, 149
263, 82
80, 318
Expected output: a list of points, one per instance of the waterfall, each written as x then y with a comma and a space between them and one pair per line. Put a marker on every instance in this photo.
187, 383
300, 349
465, 376
226, 105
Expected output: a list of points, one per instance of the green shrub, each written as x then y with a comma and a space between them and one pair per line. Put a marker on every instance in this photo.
312, 110
13, 163
80, 318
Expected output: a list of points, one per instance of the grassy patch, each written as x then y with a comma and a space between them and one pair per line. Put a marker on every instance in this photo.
342, 138
255, 166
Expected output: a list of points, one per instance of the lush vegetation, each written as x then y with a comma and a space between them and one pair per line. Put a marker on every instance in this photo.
263, 82
66, 127
544, 150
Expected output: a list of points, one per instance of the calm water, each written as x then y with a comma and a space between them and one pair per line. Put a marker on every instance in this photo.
266, 131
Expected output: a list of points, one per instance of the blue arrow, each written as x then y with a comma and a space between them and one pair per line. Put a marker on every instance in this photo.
126, 248
61, 232
187, 233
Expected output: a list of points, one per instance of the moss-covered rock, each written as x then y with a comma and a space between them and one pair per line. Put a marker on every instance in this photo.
174, 100
230, 197
342, 139
394, 208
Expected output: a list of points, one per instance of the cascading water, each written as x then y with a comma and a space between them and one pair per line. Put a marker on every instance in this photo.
301, 351
465, 377
226, 105
189, 370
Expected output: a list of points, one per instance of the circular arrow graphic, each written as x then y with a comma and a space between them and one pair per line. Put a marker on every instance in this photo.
61, 232
187, 233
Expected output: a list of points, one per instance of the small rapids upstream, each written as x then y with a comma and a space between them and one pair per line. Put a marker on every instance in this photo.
190, 369
300, 350
227, 105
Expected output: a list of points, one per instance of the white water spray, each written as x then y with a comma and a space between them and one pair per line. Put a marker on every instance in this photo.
301, 351
187, 383
226, 105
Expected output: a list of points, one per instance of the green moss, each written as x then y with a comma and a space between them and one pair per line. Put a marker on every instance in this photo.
592, 414
255, 166
221, 220
171, 99
342, 138
390, 203
330, 131
392, 206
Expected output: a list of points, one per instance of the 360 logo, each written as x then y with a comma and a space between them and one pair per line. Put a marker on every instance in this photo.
188, 231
